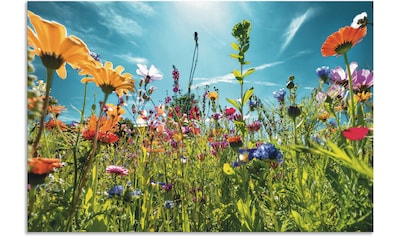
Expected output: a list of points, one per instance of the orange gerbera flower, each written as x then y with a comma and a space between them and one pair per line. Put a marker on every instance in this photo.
341, 41
106, 130
55, 109
41, 166
50, 42
235, 141
108, 78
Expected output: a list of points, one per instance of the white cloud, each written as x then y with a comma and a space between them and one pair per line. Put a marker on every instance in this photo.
293, 28
229, 78
142, 8
134, 60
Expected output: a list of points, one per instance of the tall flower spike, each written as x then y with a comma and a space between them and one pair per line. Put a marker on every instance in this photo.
50, 42
342, 41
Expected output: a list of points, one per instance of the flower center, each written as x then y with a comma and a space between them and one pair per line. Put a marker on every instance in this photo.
344, 47
51, 61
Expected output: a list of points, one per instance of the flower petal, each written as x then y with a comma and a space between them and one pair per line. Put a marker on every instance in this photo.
355, 133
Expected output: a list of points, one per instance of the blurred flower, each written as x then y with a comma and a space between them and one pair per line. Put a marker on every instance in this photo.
51, 43
56, 110
39, 165
135, 193
227, 169
362, 97
167, 187
118, 170
323, 116
254, 126
109, 79
342, 41
245, 154
268, 151
168, 204
360, 20
213, 95
323, 73
149, 75
107, 128
95, 56
279, 94
116, 190
355, 133
234, 141
53, 123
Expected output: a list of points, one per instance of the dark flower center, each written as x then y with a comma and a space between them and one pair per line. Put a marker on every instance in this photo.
344, 47
51, 61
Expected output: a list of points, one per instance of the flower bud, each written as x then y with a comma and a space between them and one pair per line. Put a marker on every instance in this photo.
294, 111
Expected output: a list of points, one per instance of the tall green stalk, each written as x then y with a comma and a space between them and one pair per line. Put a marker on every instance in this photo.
49, 82
351, 94
88, 167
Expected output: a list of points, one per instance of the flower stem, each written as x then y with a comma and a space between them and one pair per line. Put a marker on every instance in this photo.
88, 167
352, 105
44, 111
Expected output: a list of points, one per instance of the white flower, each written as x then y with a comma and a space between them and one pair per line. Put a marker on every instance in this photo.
149, 75
360, 20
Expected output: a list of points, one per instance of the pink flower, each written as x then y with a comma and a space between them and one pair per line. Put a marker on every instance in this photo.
119, 170
355, 133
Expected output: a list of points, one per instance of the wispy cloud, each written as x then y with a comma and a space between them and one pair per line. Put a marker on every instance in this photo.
132, 59
293, 28
142, 8
229, 78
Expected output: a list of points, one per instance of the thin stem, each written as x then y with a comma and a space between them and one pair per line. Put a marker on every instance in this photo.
44, 111
88, 166
75, 148
352, 105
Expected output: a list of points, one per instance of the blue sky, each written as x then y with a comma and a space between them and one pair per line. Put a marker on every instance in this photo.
285, 39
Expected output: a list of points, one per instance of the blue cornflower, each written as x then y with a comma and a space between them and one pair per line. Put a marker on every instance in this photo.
116, 190
323, 73
168, 204
135, 193
268, 151
279, 94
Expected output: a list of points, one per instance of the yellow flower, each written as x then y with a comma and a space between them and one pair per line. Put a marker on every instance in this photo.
363, 96
323, 116
213, 95
108, 78
50, 42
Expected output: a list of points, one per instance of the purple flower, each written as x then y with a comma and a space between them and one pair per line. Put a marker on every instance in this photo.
362, 80
279, 94
116, 190
167, 187
268, 151
150, 75
340, 76
118, 170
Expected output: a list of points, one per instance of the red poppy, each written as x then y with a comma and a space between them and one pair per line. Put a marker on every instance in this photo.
355, 133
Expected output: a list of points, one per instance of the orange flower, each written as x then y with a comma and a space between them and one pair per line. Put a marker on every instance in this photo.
323, 116
109, 79
235, 141
341, 41
362, 97
106, 130
50, 42
41, 166
213, 95
53, 123
55, 109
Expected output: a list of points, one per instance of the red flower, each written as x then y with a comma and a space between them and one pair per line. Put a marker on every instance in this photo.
355, 133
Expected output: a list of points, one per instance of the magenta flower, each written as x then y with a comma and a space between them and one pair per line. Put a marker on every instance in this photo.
118, 170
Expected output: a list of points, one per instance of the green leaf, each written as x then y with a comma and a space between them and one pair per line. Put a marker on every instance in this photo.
234, 103
245, 49
235, 46
89, 195
248, 72
247, 95
236, 56
237, 74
